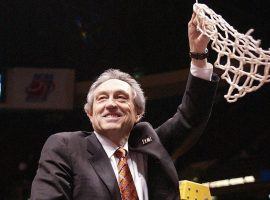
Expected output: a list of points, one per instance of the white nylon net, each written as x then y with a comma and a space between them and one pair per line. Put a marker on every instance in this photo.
245, 63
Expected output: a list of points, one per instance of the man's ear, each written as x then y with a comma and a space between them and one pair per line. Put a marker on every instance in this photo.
90, 115
138, 117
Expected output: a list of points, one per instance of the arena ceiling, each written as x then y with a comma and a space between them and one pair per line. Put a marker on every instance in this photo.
142, 36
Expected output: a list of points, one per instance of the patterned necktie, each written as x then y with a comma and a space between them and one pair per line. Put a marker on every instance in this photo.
126, 183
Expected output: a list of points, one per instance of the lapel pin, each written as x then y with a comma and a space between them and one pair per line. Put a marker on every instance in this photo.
146, 140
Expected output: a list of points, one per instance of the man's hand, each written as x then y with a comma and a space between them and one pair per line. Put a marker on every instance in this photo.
197, 41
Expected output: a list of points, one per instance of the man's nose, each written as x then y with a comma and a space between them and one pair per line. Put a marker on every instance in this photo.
111, 103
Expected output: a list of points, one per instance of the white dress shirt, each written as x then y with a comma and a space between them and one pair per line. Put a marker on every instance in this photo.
202, 72
137, 162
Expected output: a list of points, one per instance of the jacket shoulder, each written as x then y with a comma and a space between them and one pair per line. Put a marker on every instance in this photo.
71, 135
73, 139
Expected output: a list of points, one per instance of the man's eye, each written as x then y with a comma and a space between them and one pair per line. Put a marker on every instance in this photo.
100, 98
121, 97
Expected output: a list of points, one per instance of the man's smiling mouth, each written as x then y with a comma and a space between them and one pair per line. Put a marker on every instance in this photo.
112, 115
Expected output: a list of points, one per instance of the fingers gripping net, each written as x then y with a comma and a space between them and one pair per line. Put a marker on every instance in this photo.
245, 64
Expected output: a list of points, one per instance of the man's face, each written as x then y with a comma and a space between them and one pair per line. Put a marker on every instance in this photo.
113, 111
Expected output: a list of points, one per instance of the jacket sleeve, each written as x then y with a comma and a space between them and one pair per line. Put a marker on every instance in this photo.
183, 130
53, 179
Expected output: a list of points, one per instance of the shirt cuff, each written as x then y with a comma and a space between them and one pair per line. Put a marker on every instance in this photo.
202, 72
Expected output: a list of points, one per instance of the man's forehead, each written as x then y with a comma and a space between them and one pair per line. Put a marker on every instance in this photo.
113, 85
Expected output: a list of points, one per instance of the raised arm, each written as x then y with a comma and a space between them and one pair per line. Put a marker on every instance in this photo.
184, 129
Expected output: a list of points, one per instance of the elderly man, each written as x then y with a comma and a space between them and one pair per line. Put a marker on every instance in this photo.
124, 158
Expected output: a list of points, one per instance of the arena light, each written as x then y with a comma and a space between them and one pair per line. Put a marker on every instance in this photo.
230, 182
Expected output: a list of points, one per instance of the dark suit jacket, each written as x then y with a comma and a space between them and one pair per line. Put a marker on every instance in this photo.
73, 165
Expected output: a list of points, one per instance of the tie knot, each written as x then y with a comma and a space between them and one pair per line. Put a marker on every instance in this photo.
120, 152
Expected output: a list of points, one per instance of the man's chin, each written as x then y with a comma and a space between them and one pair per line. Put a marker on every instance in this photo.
111, 129
114, 129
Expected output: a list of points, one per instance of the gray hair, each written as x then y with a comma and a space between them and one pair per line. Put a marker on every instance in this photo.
139, 98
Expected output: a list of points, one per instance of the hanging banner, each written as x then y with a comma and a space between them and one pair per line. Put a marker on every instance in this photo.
35, 88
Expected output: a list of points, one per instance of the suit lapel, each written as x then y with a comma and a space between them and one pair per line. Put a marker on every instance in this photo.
101, 163
144, 139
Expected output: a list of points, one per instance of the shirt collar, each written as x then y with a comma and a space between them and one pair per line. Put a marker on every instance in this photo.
108, 145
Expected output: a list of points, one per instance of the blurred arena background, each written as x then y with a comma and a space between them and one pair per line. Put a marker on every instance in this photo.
65, 44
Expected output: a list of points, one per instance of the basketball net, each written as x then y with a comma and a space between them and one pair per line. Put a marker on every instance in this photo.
245, 63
